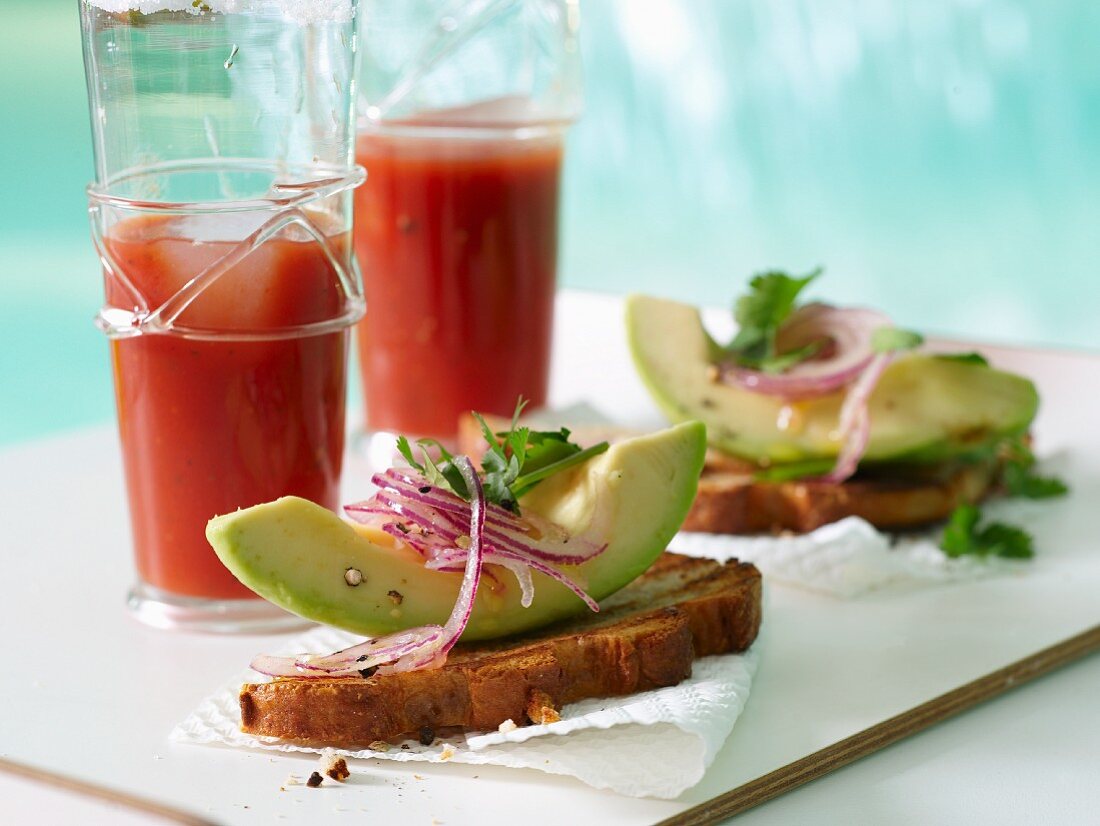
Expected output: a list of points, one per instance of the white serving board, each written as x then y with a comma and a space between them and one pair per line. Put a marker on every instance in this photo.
88, 692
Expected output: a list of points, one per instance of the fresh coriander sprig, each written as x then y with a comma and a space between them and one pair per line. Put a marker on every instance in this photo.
516, 460
964, 358
760, 313
964, 537
442, 473
1020, 478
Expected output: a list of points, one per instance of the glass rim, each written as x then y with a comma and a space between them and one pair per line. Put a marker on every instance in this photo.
312, 182
471, 131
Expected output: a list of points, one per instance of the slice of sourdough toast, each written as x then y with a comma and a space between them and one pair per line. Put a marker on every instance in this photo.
646, 636
730, 499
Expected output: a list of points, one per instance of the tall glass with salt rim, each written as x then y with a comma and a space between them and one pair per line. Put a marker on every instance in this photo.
222, 213
463, 112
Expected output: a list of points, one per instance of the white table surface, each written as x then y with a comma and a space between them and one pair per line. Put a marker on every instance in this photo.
87, 691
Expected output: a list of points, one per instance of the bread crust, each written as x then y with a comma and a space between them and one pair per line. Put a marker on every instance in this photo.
736, 503
647, 636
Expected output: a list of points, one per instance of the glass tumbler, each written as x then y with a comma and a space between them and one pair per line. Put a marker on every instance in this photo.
463, 112
222, 214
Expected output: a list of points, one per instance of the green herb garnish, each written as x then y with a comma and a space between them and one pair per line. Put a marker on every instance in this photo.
965, 358
964, 537
441, 471
894, 339
759, 315
516, 461
1021, 480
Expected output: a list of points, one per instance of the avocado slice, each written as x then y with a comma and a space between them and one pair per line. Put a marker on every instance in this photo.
924, 408
633, 497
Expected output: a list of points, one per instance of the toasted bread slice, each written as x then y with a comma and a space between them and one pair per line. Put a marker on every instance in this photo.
646, 636
730, 499
733, 501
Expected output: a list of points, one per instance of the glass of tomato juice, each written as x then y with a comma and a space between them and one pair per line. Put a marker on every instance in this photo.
463, 114
221, 211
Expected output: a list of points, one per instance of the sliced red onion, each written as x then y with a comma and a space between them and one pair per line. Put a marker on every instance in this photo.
854, 423
527, 534
352, 660
522, 572
432, 531
419, 648
452, 535
452, 561
847, 352
433, 654
417, 488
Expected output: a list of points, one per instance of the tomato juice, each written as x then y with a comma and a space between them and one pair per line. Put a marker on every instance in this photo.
457, 235
213, 423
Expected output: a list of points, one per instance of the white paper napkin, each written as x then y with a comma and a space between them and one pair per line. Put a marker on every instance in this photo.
845, 559
651, 744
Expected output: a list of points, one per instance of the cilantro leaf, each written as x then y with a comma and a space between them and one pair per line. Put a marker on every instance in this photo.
1006, 541
531, 478
501, 463
965, 358
515, 461
963, 537
759, 315
547, 448
958, 534
784, 361
405, 449
894, 339
1020, 479
443, 473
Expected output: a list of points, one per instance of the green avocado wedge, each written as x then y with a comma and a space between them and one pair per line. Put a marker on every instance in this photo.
633, 497
924, 409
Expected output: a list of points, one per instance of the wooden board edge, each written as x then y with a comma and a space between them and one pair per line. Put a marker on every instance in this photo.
870, 740
110, 796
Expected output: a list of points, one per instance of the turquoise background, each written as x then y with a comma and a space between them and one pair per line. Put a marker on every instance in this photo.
940, 157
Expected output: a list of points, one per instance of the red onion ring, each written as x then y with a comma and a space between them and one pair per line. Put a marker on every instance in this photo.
854, 423
848, 352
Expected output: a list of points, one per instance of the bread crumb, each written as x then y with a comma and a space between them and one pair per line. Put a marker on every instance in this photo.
333, 765
540, 708
379, 745
507, 726
447, 753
